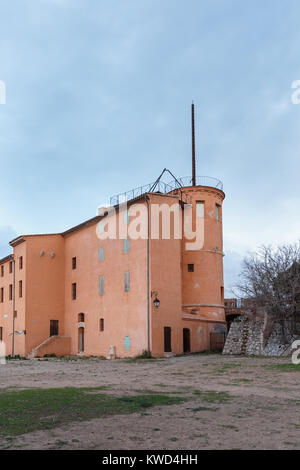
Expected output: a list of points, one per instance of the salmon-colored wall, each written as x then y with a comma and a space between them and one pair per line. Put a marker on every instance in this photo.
190, 300
44, 287
124, 313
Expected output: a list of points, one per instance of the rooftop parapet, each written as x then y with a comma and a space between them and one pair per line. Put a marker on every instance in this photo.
159, 186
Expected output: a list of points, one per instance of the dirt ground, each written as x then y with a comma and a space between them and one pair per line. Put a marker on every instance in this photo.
261, 410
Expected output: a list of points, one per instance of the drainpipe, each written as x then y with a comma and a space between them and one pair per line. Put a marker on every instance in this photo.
148, 279
13, 309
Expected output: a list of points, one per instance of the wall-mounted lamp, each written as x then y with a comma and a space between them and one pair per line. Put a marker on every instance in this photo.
156, 301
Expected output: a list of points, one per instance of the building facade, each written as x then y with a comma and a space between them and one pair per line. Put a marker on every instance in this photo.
78, 292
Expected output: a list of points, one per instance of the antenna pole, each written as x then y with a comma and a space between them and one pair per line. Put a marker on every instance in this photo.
193, 147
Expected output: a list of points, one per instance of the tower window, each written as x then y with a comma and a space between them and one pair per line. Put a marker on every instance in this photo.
101, 325
20, 289
10, 266
218, 212
200, 209
2, 270
74, 262
21, 262
190, 268
2, 295
10, 291
74, 291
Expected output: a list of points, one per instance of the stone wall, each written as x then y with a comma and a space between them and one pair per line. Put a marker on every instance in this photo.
256, 337
245, 337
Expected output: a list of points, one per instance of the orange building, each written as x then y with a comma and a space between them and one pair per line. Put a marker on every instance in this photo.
77, 293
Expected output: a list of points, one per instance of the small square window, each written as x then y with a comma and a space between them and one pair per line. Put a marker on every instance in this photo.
190, 268
101, 324
74, 262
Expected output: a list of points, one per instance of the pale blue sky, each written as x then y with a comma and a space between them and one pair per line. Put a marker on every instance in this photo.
98, 102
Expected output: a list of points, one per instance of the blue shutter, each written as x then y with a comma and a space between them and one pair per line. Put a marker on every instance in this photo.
101, 285
126, 342
126, 245
101, 254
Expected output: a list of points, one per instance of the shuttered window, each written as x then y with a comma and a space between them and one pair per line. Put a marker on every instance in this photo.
126, 245
127, 281
126, 342
101, 285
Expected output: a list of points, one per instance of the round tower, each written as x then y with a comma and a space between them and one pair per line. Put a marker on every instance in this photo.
202, 266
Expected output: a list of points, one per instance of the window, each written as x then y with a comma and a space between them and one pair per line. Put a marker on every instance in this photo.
80, 317
74, 291
101, 285
127, 281
15, 314
20, 288
200, 209
101, 324
190, 268
53, 327
2, 270
10, 291
101, 254
126, 342
126, 243
1, 333
74, 262
10, 266
218, 212
2, 295
21, 262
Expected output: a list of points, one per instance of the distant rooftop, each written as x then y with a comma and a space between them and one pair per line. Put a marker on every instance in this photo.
164, 188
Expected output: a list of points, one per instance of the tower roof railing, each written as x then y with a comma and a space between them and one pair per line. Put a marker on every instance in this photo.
165, 188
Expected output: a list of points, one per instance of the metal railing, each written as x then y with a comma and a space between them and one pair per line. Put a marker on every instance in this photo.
165, 188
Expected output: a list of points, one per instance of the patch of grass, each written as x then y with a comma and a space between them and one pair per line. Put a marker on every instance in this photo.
297, 426
286, 367
211, 396
25, 411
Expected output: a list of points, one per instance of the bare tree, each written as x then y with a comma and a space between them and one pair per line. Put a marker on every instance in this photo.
270, 279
